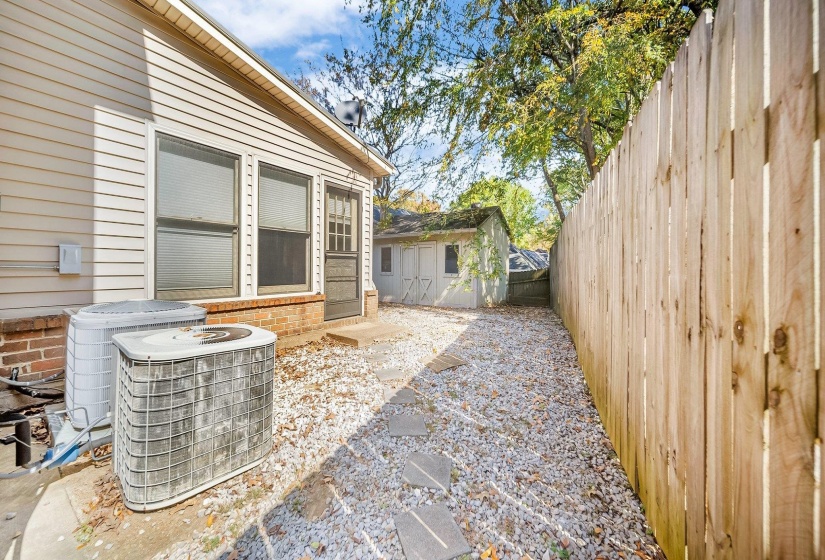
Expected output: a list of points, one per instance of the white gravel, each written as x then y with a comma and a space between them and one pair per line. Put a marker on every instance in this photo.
534, 472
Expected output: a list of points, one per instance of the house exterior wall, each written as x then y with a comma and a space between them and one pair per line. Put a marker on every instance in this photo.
493, 291
450, 290
85, 85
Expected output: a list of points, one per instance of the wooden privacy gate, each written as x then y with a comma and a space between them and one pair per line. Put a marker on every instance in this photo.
529, 287
690, 278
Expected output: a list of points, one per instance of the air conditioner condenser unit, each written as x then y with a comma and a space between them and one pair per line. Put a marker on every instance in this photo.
192, 408
89, 348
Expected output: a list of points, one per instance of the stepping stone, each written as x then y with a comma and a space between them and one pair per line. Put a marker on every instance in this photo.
430, 533
399, 396
384, 347
407, 425
389, 374
440, 362
428, 471
377, 358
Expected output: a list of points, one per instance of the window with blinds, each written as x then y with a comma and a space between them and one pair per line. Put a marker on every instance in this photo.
196, 233
283, 230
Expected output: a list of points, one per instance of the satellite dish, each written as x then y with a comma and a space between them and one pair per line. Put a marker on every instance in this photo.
352, 113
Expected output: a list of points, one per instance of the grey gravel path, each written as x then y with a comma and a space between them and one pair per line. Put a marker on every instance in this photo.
533, 471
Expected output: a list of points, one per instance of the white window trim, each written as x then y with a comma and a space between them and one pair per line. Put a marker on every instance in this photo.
302, 169
152, 130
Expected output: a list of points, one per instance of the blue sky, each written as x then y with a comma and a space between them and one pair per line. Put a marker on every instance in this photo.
288, 32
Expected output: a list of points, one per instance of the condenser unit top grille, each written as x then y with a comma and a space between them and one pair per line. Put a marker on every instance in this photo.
135, 306
186, 342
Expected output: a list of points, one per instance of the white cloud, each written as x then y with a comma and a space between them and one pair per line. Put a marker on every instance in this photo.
312, 50
264, 24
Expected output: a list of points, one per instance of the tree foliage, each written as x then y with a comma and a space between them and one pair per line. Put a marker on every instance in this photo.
395, 126
517, 204
548, 84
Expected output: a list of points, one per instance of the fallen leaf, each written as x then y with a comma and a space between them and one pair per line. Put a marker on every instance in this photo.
597, 530
465, 406
232, 555
329, 416
494, 394
210, 520
487, 553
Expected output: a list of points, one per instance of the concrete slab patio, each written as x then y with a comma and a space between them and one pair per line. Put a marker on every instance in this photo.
365, 334
407, 425
399, 396
430, 533
427, 471
389, 374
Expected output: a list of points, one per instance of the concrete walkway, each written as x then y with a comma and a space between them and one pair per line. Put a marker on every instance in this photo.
428, 533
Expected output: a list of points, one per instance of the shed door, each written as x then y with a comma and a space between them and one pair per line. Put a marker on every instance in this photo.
408, 275
425, 279
342, 283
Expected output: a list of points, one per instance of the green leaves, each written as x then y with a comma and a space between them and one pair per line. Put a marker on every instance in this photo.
517, 204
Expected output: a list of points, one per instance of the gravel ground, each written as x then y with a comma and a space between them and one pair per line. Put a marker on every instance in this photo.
534, 473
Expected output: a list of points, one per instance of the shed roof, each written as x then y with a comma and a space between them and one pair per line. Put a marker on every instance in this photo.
437, 222
197, 24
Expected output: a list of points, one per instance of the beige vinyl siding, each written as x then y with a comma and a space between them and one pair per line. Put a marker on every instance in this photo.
79, 81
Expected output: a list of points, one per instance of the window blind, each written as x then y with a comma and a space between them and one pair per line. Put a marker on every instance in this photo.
189, 259
283, 199
195, 182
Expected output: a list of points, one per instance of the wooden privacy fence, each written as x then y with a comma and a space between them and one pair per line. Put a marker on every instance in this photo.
529, 287
690, 277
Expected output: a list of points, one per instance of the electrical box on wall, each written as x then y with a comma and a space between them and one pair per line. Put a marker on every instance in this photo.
70, 256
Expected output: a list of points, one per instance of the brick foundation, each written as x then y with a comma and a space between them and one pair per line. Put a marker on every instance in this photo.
371, 304
285, 316
36, 345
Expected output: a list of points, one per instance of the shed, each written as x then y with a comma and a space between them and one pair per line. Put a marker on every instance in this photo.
447, 259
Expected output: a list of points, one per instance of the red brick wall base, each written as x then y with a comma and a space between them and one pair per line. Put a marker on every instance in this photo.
36, 345
371, 304
285, 316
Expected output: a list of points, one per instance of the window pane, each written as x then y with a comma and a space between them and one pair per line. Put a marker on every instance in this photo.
195, 181
451, 259
282, 258
189, 259
386, 259
283, 199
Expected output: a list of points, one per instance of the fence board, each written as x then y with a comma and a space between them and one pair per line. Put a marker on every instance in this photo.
791, 377
819, 239
676, 283
716, 287
747, 286
694, 389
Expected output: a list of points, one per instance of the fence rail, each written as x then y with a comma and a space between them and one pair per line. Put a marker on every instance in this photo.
690, 277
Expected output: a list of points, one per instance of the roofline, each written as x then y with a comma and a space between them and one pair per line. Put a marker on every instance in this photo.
191, 19
424, 233
503, 221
